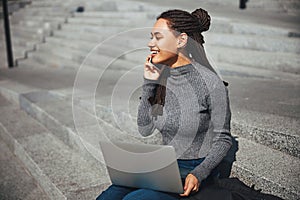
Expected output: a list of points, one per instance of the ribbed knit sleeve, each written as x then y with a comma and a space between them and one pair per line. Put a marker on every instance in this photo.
220, 129
144, 119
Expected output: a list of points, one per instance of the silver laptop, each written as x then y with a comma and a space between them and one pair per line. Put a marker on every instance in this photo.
142, 166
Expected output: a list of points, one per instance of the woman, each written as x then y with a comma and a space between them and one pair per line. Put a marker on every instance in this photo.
185, 100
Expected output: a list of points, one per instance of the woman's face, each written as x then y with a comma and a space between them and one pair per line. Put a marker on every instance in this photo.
163, 44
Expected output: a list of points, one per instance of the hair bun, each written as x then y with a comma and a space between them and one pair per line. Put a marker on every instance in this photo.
203, 18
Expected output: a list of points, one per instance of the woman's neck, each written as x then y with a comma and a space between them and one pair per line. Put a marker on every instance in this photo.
180, 61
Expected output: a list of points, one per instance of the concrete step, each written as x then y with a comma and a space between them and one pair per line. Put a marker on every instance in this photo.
16, 182
290, 7
233, 26
20, 31
96, 59
117, 15
91, 6
37, 35
47, 27
227, 69
19, 52
93, 49
29, 63
81, 35
260, 113
61, 172
60, 51
267, 169
108, 22
119, 6
89, 46
29, 44
85, 46
108, 75
86, 28
29, 13
279, 6
37, 18
253, 42
56, 115
53, 3
40, 10
285, 62
88, 33
45, 59
33, 17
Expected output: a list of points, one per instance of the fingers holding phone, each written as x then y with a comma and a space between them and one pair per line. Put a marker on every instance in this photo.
151, 71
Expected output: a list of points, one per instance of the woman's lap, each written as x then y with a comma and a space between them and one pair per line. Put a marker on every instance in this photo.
124, 193
145, 194
114, 192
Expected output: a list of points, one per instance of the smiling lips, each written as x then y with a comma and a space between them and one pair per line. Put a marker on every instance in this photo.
154, 52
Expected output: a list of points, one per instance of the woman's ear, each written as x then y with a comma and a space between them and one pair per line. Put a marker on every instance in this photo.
182, 40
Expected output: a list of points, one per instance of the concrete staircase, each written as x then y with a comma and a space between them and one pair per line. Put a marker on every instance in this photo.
80, 83
30, 25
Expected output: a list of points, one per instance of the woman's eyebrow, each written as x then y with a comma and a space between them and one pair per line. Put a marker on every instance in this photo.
156, 33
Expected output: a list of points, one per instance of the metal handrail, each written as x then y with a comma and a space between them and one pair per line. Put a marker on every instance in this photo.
9, 51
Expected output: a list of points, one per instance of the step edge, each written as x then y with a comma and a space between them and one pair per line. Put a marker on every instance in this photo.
45, 183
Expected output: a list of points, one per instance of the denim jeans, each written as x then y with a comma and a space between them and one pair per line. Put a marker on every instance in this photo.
115, 192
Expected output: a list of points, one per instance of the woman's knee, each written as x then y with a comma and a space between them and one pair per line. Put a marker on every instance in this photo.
145, 194
141, 194
114, 192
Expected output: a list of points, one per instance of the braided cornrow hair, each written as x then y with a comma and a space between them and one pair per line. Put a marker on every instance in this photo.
193, 24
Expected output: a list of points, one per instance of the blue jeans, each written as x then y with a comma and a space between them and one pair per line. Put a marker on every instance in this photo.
115, 192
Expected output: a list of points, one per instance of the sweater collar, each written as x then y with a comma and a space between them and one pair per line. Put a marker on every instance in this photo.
181, 70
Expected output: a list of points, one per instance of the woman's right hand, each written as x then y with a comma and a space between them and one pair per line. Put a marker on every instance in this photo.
151, 72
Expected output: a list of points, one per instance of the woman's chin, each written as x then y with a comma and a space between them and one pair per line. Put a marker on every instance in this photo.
157, 61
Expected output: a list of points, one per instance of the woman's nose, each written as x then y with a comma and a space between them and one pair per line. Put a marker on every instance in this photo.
151, 43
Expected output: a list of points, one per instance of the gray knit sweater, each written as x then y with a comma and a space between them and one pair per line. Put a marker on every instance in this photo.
196, 116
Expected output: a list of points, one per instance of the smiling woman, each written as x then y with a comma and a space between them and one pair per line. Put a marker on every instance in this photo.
185, 100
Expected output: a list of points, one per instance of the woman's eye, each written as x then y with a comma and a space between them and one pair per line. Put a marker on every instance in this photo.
156, 37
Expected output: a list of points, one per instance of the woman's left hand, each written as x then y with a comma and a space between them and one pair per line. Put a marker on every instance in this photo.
191, 184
